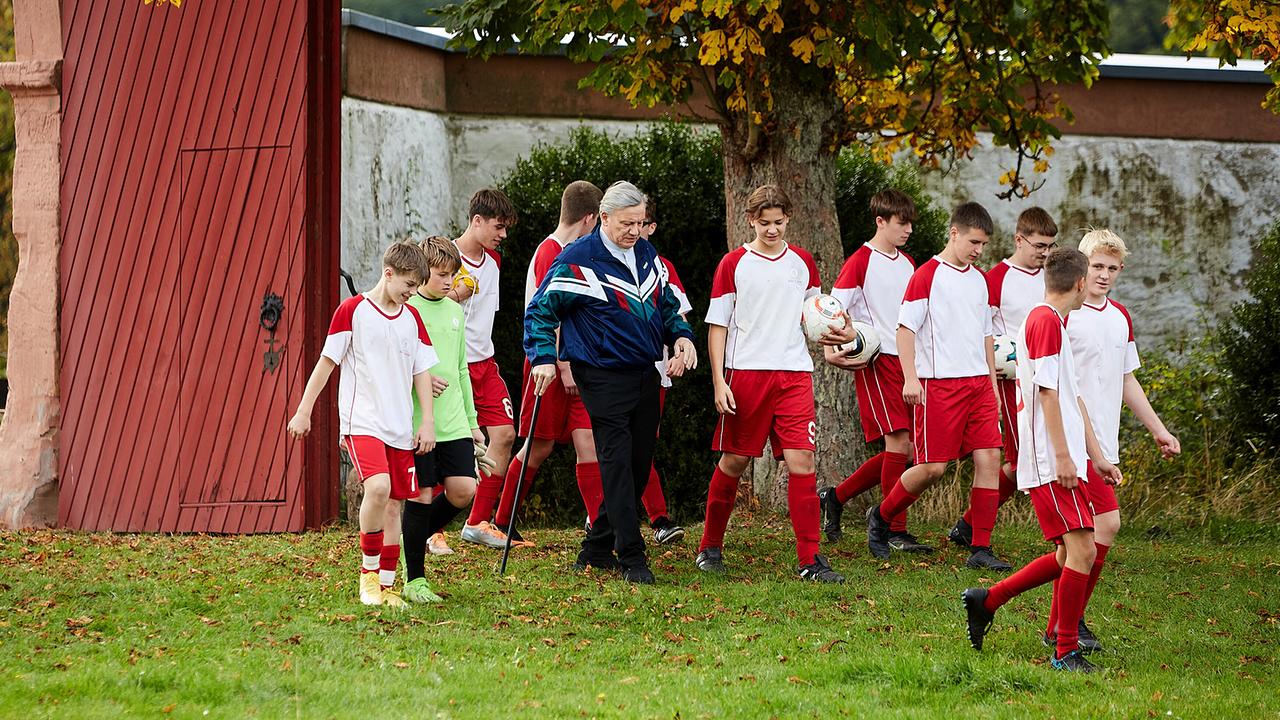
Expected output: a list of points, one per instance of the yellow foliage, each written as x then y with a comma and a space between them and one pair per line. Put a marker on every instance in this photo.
711, 47
771, 22
682, 8
1042, 166
803, 47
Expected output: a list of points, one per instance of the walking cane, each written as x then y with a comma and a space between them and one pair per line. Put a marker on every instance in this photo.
515, 504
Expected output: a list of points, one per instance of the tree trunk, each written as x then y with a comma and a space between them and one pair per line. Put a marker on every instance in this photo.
797, 155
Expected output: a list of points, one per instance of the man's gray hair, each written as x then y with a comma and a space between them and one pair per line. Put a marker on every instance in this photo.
621, 194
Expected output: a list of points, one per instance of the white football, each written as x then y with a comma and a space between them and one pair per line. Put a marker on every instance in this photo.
1006, 357
820, 314
866, 347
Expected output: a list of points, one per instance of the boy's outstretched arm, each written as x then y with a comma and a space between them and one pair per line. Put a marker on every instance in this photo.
1110, 473
1136, 398
424, 436
300, 424
912, 390
1066, 473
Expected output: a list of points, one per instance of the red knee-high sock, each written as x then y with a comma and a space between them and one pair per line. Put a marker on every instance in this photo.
387, 565
1044, 569
590, 487
503, 517
864, 478
720, 497
897, 501
890, 473
1096, 572
983, 504
370, 551
487, 494
1072, 587
1007, 488
802, 504
655, 503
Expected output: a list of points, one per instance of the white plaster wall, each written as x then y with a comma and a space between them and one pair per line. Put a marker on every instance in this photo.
1188, 210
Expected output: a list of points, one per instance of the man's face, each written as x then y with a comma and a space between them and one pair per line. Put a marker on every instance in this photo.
623, 226
1104, 269
438, 283
896, 229
968, 243
1032, 250
489, 232
401, 286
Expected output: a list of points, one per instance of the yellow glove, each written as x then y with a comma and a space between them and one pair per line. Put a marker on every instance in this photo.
465, 279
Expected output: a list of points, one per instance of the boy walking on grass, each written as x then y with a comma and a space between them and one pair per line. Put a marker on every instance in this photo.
384, 352
1057, 441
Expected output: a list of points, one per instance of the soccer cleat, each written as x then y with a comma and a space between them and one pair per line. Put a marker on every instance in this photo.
603, 562
711, 560
832, 509
484, 533
820, 571
666, 532
370, 589
961, 534
1086, 640
437, 545
418, 591
983, 558
979, 618
1071, 662
906, 542
639, 575
877, 534
392, 599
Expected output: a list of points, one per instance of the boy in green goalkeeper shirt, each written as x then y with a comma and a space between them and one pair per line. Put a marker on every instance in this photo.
452, 464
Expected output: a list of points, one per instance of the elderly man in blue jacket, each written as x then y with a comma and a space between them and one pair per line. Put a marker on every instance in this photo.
615, 313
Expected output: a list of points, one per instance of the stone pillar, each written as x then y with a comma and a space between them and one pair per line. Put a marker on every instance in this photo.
29, 433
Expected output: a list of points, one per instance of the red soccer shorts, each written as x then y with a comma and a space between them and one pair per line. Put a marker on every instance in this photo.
1009, 419
371, 456
771, 403
880, 405
1060, 510
493, 403
1102, 495
958, 416
560, 414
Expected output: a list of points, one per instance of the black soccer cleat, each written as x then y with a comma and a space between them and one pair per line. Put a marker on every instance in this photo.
906, 542
961, 534
1086, 640
1072, 662
639, 575
820, 571
877, 534
832, 509
979, 618
602, 562
983, 559
666, 532
711, 560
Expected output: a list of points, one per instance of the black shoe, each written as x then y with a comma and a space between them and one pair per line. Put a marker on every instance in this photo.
961, 534
906, 542
832, 509
820, 571
983, 558
877, 534
601, 562
639, 574
711, 560
1088, 642
666, 532
1072, 662
980, 618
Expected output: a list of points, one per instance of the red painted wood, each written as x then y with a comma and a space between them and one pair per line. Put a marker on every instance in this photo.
200, 160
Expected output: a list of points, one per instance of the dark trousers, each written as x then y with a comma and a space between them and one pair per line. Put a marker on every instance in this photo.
623, 406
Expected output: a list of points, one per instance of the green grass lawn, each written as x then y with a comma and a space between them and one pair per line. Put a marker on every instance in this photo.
269, 626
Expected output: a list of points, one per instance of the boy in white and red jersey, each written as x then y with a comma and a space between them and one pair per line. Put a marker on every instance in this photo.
763, 378
1058, 441
562, 418
384, 352
490, 212
870, 287
1106, 356
944, 344
1015, 285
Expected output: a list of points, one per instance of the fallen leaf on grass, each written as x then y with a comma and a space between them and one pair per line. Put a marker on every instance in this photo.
402, 665
168, 708
827, 648
79, 622
210, 621
796, 679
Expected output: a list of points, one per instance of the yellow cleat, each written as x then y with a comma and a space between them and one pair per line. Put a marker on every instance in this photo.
392, 599
370, 589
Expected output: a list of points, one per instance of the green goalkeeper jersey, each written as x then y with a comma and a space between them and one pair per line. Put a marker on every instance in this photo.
455, 408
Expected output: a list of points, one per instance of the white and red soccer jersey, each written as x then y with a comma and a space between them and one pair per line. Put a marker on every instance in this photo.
760, 299
667, 272
946, 307
483, 305
1045, 361
870, 287
543, 257
378, 355
1102, 339
1012, 292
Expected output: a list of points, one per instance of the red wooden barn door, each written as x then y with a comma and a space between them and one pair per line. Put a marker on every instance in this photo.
199, 159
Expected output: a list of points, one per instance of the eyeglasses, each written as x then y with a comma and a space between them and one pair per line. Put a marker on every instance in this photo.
1039, 247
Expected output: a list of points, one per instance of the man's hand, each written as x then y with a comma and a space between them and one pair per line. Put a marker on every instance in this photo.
542, 375
299, 425
438, 385
566, 378
1065, 472
1168, 444
912, 392
725, 404
686, 354
424, 441
840, 336
1110, 473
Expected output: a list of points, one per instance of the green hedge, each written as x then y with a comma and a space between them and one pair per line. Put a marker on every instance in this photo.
680, 167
